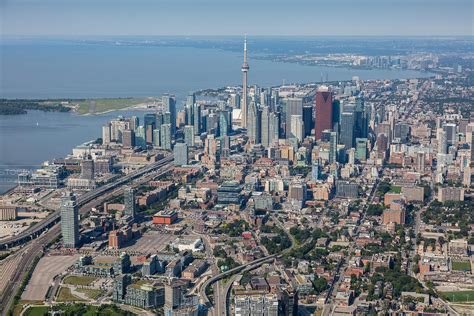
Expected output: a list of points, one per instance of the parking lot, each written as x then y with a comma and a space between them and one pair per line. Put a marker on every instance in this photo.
42, 277
150, 242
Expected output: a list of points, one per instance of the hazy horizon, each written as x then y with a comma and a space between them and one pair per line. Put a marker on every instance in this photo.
437, 18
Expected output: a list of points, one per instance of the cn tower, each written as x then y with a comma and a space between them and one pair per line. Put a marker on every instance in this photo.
245, 69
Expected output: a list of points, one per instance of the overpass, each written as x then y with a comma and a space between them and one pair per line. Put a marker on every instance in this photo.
248, 266
35, 231
223, 305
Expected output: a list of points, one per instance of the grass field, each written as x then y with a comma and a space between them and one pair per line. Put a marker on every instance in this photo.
21, 304
65, 295
79, 280
395, 189
91, 293
461, 265
97, 106
94, 311
37, 311
459, 296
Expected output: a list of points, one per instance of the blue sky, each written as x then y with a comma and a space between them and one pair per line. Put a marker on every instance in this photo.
231, 17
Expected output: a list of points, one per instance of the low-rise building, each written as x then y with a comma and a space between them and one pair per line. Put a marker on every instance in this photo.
450, 194
145, 295
394, 216
413, 193
347, 190
194, 270
165, 217
380, 261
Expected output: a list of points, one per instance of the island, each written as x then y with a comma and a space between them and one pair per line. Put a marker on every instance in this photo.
81, 106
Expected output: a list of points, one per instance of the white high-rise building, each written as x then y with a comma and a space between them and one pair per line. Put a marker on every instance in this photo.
106, 134
297, 127
69, 221
442, 141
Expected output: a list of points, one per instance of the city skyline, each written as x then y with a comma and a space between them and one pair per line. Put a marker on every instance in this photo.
306, 18
207, 175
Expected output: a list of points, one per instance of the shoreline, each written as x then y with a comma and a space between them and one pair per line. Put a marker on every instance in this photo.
75, 108
142, 106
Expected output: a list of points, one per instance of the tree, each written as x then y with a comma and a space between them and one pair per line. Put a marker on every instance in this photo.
320, 284
416, 269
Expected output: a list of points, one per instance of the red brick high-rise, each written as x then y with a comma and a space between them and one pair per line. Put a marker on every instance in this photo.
323, 113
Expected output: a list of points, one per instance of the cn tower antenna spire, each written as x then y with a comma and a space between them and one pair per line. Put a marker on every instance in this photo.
245, 49
245, 69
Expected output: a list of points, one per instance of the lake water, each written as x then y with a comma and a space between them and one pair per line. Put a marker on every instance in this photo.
71, 69
28, 140
74, 69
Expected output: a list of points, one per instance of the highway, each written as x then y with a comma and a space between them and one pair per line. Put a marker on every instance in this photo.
52, 219
222, 299
86, 201
247, 266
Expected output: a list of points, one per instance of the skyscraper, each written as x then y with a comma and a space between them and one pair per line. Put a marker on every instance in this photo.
224, 123
129, 201
308, 119
150, 125
189, 135
190, 99
69, 221
234, 101
180, 153
87, 169
166, 118
297, 127
225, 146
106, 137
253, 124
442, 141
140, 137
333, 147
265, 130
134, 122
169, 105
450, 129
361, 149
274, 128
180, 118
128, 138
160, 117
336, 115
165, 134
360, 118
294, 106
197, 119
212, 123
472, 147
315, 170
189, 114
401, 131
245, 69
347, 129
157, 138
210, 145
323, 119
